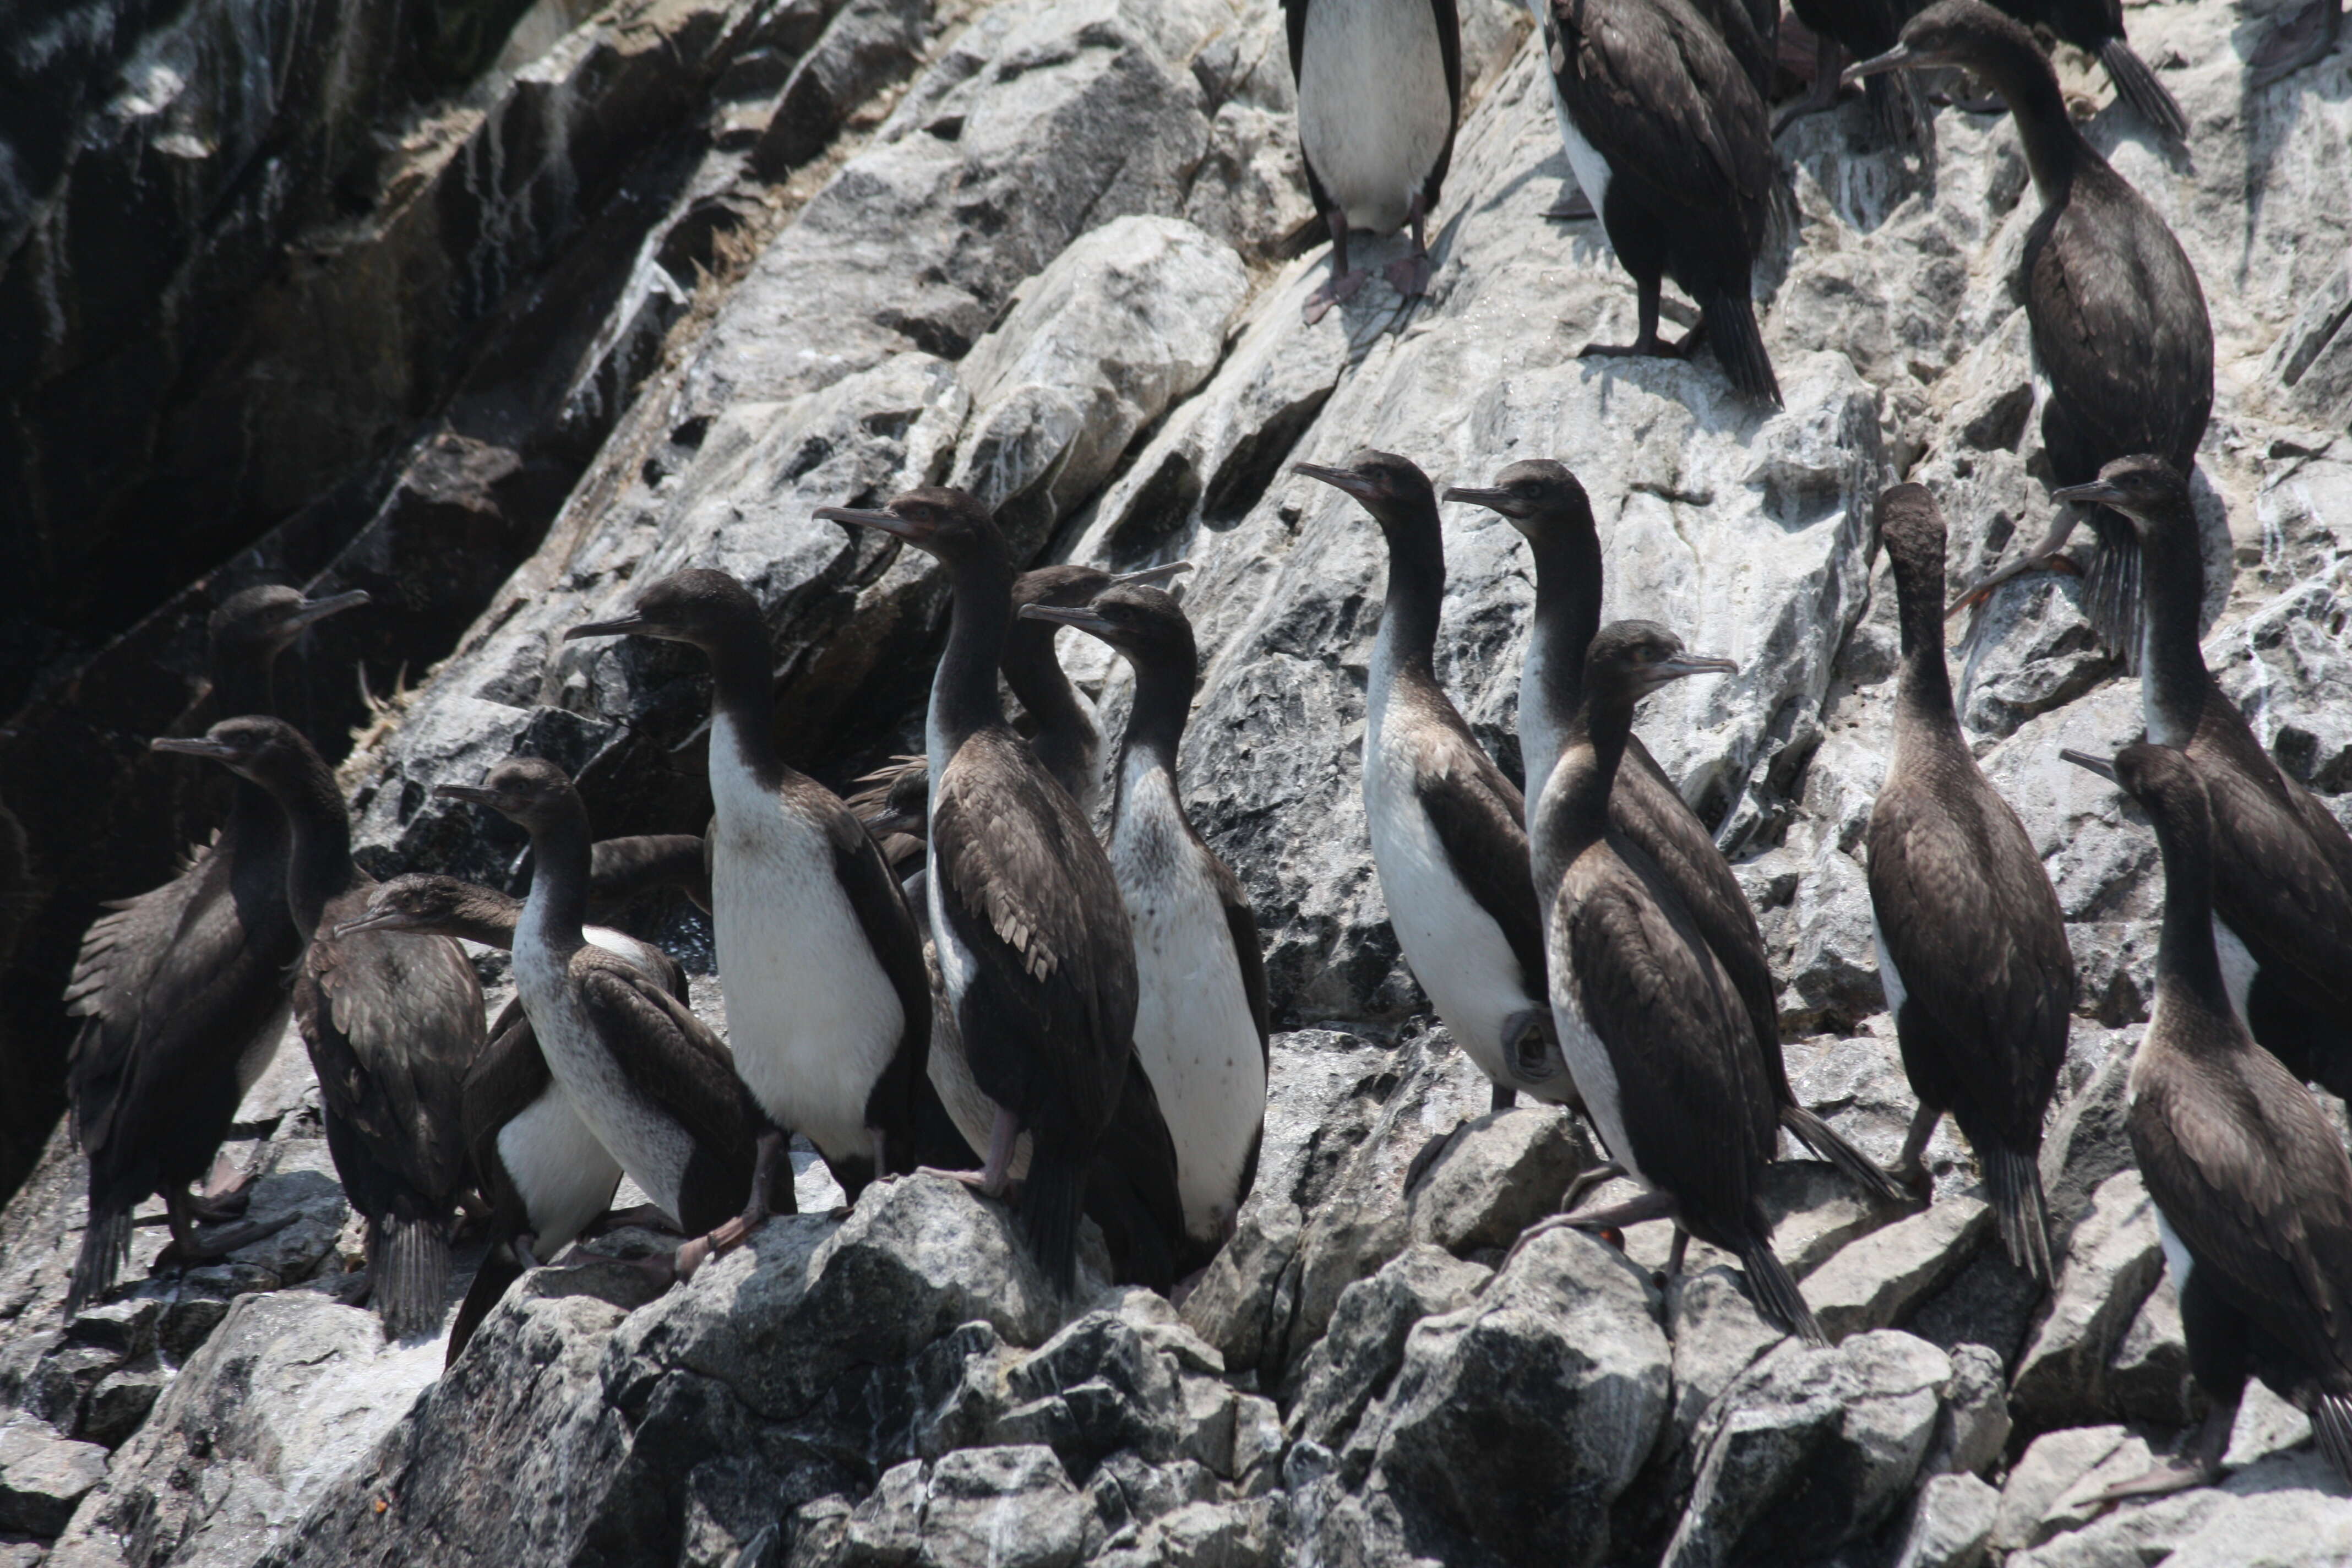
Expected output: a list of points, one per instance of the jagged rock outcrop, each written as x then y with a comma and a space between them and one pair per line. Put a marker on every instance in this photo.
640, 303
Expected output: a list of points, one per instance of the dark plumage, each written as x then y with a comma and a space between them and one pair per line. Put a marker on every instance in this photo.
2096, 27
1546, 504
652, 1082
1972, 947
1863, 29
2308, 36
1652, 1024
2252, 1192
2282, 864
1379, 89
391, 1023
1033, 942
2117, 316
623, 869
182, 991
1670, 141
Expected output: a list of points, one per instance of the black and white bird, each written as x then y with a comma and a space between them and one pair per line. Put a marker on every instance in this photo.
2253, 1191
1380, 89
1971, 945
1449, 842
391, 1023
544, 1173
1035, 952
1202, 1024
1548, 505
1651, 1025
182, 991
2117, 317
2282, 864
1668, 137
828, 1007
649, 1079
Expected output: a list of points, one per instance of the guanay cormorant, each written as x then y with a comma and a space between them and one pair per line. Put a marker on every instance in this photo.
2283, 865
827, 1008
1034, 948
1971, 945
2252, 1192
1651, 1022
1670, 141
2117, 317
1380, 89
1448, 840
1202, 1025
653, 1083
545, 1175
183, 990
391, 1023
1546, 504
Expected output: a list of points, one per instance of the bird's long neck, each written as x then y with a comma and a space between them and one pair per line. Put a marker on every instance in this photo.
1155, 728
742, 695
319, 867
2185, 955
1924, 709
1551, 681
963, 688
1573, 811
1406, 649
2054, 151
2173, 677
557, 907
1068, 737
242, 680
484, 916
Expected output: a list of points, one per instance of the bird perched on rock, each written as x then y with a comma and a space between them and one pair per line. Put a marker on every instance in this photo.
1034, 948
1971, 946
1863, 29
2096, 27
391, 1023
652, 1082
1652, 1028
827, 1006
1202, 1030
182, 991
2281, 863
2118, 318
2252, 1190
1380, 89
1669, 139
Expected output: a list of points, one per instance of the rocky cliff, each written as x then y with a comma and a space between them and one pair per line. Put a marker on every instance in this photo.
656, 282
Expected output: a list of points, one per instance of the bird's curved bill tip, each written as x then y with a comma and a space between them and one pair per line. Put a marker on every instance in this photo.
1149, 576
1084, 619
1473, 496
2099, 766
473, 793
1346, 479
188, 746
1893, 60
1699, 664
387, 920
313, 610
861, 517
622, 628
2098, 492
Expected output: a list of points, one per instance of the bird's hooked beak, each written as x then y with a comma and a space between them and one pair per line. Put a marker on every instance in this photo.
2098, 492
882, 521
1347, 480
1688, 664
1149, 576
621, 627
2099, 766
474, 793
882, 824
1082, 616
1492, 501
310, 612
1901, 56
193, 747
374, 920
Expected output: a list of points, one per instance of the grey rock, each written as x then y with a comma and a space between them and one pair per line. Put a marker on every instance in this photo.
1717, 1335
1517, 1421
2266, 1424
118, 1402
867, 45
1951, 1524
43, 1476
2112, 1263
2048, 1487
1876, 1281
1816, 1213
1975, 1422
1810, 1448
1351, 1364
1239, 1306
1496, 1176
2147, 1377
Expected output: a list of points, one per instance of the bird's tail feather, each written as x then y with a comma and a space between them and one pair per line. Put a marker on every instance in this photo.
1052, 1200
411, 1274
2331, 1423
2136, 85
1823, 1140
105, 1249
1305, 238
1776, 1293
2015, 1179
1739, 346
498, 1270
2110, 593
1899, 103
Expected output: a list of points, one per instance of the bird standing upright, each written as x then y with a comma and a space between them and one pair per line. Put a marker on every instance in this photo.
1380, 89
1035, 952
1971, 945
2096, 27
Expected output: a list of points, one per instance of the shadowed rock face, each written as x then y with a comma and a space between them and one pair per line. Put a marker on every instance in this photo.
552, 335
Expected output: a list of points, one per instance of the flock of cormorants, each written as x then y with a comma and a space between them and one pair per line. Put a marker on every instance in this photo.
951, 969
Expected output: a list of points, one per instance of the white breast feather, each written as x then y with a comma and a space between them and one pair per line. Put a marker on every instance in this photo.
2238, 966
1589, 1061
1193, 1031
1374, 108
1591, 168
812, 1015
565, 1175
1890, 979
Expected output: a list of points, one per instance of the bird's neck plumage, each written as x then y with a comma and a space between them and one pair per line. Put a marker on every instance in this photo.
1572, 813
553, 915
1065, 722
1924, 711
1155, 728
243, 683
319, 867
1551, 681
2054, 151
963, 687
742, 697
2185, 955
485, 917
1406, 649
2174, 681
